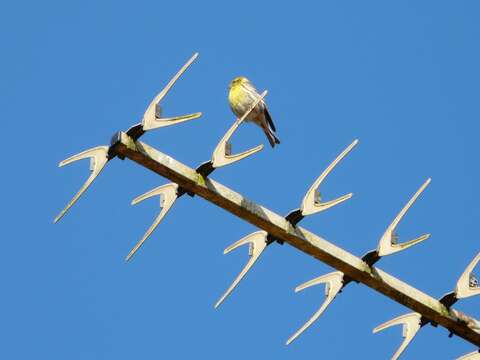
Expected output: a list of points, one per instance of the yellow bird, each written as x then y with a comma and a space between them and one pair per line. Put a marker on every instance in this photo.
241, 96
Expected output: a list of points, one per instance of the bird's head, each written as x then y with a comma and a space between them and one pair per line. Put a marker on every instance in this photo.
240, 80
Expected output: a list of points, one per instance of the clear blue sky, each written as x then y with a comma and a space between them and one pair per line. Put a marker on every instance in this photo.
400, 76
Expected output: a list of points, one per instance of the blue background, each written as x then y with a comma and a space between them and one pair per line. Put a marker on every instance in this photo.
400, 76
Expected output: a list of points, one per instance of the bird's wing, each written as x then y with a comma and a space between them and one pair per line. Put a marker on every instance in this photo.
269, 119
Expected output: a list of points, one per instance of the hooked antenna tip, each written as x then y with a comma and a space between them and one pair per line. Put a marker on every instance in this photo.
58, 217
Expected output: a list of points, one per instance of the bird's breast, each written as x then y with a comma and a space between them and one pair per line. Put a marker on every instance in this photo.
236, 96
240, 100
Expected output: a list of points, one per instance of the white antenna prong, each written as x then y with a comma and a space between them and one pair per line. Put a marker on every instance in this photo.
388, 244
411, 325
152, 118
98, 159
465, 286
333, 284
475, 355
168, 196
258, 243
311, 203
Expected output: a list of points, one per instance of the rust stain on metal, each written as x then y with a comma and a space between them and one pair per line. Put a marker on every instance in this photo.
298, 237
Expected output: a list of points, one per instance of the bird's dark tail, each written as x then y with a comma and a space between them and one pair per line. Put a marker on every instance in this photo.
272, 138
269, 129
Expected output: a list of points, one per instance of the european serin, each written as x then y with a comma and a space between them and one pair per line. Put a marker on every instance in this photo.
241, 96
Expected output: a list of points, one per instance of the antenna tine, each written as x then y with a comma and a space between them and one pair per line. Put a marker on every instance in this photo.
258, 243
152, 117
475, 355
410, 326
169, 194
311, 203
333, 284
98, 159
467, 284
387, 244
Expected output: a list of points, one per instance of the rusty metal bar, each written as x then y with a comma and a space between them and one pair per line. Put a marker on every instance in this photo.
300, 238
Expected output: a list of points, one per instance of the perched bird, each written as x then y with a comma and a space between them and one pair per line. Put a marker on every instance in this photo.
241, 96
